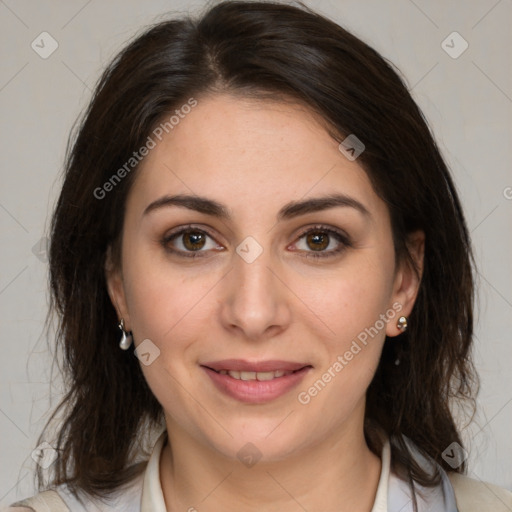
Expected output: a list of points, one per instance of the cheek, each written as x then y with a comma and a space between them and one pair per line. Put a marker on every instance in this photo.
349, 299
353, 305
160, 296
171, 311
168, 310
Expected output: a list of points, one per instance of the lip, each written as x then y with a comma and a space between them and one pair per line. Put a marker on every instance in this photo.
242, 365
254, 391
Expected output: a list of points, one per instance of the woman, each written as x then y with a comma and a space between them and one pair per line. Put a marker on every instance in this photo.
256, 202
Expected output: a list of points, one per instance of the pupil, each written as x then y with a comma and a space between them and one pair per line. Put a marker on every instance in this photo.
191, 239
318, 238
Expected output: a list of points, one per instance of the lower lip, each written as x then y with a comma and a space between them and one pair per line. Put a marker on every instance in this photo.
255, 391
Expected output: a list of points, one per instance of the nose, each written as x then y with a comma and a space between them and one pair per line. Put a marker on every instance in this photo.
255, 302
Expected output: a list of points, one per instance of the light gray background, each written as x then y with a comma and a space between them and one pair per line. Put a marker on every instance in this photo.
467, 100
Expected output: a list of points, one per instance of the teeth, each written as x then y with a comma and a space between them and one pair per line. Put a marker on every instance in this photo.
267, 375
254, 375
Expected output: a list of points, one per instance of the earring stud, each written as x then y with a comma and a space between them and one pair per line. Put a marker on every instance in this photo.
126, 338
402, 323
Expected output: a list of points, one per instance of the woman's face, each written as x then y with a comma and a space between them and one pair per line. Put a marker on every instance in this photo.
250, 290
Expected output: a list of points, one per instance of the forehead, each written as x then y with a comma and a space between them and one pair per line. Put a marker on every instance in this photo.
253, 155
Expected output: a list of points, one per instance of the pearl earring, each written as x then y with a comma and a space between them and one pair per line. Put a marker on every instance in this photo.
126, 338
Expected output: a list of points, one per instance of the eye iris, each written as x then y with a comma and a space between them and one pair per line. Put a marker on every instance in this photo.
318, 238
192, 238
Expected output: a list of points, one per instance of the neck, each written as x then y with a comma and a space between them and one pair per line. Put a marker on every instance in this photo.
339, 474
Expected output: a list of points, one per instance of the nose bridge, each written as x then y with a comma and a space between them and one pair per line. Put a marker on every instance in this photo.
255, 298
255, 279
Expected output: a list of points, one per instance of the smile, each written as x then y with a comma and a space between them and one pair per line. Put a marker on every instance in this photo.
255, 383
261, 376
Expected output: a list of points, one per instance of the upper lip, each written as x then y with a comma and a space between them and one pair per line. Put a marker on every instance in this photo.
260, 366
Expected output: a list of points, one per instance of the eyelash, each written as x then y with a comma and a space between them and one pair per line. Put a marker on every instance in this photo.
341, 237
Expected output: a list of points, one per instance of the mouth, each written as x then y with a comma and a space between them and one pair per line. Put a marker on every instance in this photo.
255, 383
260, 376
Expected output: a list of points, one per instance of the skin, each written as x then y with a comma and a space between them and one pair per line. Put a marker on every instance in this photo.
254, 157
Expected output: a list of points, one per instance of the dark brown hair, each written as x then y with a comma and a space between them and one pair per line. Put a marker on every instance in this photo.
256, 49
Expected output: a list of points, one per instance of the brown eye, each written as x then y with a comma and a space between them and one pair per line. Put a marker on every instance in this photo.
322, 242
189, 242
194, 240
317, 241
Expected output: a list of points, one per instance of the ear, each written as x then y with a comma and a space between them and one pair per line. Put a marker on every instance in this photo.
115, 287
407, 279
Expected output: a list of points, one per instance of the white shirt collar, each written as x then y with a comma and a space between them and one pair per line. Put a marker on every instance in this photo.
152, 494
381, 498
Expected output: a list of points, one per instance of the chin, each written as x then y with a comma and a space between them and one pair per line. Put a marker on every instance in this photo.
264, 442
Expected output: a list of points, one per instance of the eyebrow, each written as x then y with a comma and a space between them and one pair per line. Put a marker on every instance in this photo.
288, 211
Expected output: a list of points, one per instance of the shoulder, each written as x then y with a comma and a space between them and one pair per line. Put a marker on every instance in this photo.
476, 495
61, 499
47, 500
